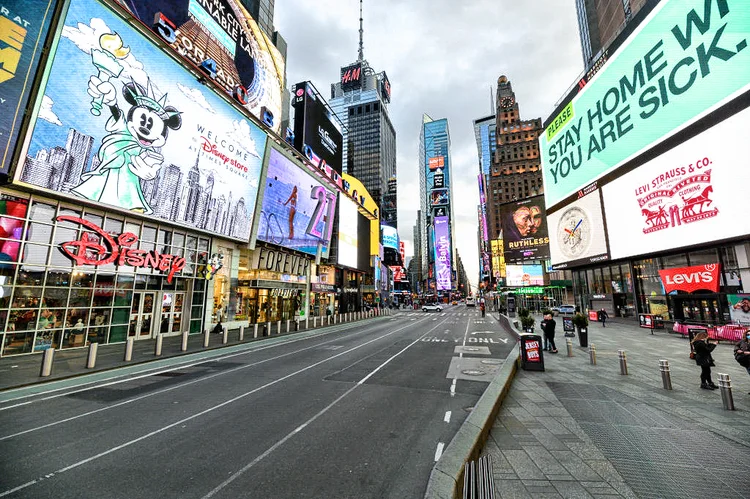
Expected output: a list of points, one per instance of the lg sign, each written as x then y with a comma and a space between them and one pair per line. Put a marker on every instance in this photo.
691, 279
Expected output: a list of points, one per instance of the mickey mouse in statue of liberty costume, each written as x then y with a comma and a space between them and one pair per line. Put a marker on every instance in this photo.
129, 152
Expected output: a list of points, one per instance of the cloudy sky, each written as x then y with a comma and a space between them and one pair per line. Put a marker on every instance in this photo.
442, 57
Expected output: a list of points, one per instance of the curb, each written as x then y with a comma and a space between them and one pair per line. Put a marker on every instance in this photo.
446, 478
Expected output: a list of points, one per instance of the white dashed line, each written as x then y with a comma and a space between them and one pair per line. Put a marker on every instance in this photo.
439, 451
447, 417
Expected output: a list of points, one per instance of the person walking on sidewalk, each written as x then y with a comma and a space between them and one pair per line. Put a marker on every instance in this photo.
603, 316
703, 347
548, 328
742, 352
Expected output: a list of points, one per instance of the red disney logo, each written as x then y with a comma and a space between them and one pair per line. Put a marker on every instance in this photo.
89, 250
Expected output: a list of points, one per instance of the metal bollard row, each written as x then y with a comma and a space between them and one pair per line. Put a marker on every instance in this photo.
592, 354
666, 374
623, 362
569, 346
725, 387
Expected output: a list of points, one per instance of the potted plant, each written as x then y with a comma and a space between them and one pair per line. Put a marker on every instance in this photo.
527, 322
581, 323
523, 312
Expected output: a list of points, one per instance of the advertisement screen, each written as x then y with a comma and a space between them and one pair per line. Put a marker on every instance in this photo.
498, 258
739, 308
23, 29
316, 132
439, 197
390, 237
577, 232
123, 125
687, 58
443, 262
296, 208
347, 233
691, 194
524, 275
436, 162
385, 88
12, 212
351, 77
223, 37
524, 225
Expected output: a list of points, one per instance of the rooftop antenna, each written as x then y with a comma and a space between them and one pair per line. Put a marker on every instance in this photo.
361, 35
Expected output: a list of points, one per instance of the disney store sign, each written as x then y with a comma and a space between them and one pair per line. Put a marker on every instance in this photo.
99, 247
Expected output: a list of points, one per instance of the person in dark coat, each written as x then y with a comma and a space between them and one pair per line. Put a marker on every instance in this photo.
548, 328
218, 328
742, 352
703, 347
603, 316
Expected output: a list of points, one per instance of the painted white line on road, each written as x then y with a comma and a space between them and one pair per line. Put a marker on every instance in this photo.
447, 417
439, 451
396, 355
453, 388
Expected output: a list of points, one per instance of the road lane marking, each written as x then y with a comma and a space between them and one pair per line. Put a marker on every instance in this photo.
439, 451
453, 388
447, 417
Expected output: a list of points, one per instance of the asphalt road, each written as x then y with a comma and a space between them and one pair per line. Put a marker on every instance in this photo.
356, 410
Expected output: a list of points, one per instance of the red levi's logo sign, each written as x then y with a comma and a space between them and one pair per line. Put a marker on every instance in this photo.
691, 279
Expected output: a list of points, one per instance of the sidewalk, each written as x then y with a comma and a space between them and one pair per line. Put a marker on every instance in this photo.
578, 430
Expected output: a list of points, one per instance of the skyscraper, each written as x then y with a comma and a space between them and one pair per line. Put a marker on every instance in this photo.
600, 21
360, 99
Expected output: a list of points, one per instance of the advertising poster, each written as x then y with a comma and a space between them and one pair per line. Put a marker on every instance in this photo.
223, 37
12, 212
687, 58
577, 231
347, 233
390, 237
690, 195
524, 275
317, 134
524, 225
123, 125
739, 308
23, 29
443, 264
297, 211
439, 197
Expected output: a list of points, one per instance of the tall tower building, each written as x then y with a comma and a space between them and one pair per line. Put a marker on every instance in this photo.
360, 99
516, 171
600, 21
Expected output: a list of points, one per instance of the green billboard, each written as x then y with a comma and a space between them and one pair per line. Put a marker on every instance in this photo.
687, 58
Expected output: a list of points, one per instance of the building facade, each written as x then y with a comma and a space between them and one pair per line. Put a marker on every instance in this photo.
599, 23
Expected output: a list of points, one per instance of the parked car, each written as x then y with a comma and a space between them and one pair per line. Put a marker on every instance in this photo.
565, 309
470, 302
431, 307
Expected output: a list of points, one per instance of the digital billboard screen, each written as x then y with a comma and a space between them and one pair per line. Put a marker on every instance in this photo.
439, 197
122, 124
351, 77
525, 234
524, 275
347, 233
385, 87
687, 58
691, 194
23, 30
316, 132
390, 237
577, 233
223, 37
443, 263
297, 210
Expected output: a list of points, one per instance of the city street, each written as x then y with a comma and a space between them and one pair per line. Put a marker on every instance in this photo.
353, 410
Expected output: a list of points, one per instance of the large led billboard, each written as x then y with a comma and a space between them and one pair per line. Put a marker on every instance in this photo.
351, 77
347, 233
443, 263
524, 225
121, 124
577, 233
316, 130
687, 58
23, 30
390, 237
524, 275
297, 210
222, 38
692, 194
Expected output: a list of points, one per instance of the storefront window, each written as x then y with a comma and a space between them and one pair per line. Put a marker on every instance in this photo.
607, 280
222, 288
703, 257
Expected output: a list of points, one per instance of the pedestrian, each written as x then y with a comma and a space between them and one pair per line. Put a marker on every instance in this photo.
548, 328
218, 328
742, 352
603, 316
481, 307
703, 346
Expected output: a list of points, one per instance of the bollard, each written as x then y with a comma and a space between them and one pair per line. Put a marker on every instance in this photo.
569, 345
592, 354
46, 370
225, 336
268, 328
206, 338
666, 375
129, 349
725, 386
288, 325
278, 327
315, 322
91, 360
183, 347
307, 322
242, 333
623, 362
334, 318
159, 343
255, 330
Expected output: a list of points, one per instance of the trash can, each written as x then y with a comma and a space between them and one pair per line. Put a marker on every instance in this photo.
532, 356
583, 336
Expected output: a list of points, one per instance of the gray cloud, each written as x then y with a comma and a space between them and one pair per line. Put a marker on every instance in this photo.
441, 57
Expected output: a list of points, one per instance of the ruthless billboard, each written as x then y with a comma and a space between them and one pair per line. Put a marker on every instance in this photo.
577, 233
687, 58
122, 124
297, 211
223, 39
692, 194
23, 29
443, 264
524, 227
347, 233
316, 130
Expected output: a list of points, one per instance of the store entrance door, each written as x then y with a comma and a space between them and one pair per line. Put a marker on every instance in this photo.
701, 309
171, 312
142, 315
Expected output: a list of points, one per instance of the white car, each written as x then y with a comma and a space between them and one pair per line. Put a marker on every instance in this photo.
432, 306
566, 309
470, 301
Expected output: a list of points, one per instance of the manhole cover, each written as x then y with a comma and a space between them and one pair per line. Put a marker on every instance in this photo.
473, 372
492, 362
